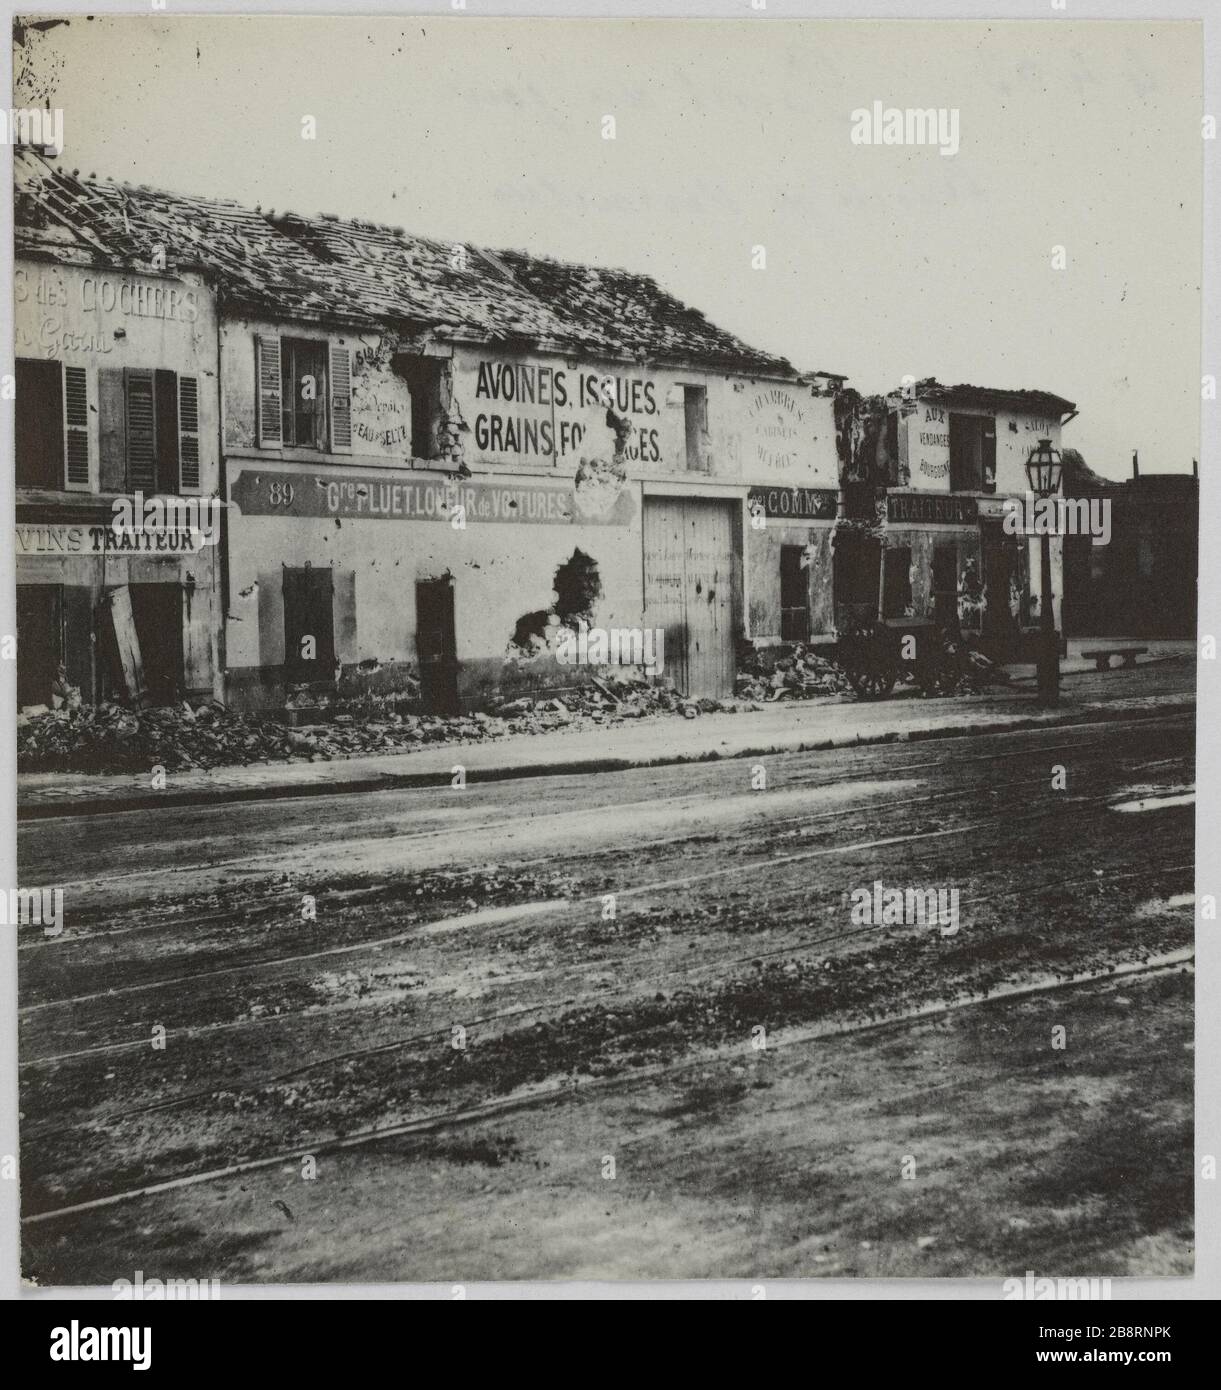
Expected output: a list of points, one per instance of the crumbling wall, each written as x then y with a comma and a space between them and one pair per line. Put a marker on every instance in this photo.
577, 586
866, 439
762, 566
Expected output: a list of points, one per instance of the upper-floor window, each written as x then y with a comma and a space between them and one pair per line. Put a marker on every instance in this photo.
695, 420
52, 434
304, 394
425, 377
146, 436
303, 400
972, 453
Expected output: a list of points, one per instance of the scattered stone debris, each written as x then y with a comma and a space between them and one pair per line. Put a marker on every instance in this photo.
961, 670
794, 671
116, 738
112, 737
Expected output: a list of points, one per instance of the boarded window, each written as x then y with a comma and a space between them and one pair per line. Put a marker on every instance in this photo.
39, 424
695, 420
897, 582
794, 595
309, 625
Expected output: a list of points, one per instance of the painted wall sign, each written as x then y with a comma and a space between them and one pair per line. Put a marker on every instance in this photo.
78, 311
929, 439
527, 410
797, 503
260, 493
105, 540
129, 298
381, 401
930, 506
779, 428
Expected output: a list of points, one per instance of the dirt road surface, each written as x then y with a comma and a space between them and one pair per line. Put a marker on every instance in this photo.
624, 1025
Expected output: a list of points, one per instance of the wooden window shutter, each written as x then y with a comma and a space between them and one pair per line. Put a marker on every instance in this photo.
141, 430
112, 429
39, 425
341, 400
270, 391
188, 432
76, 426
165, 386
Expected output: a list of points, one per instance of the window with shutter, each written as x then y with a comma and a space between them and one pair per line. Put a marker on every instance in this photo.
76, 427
141, 430
166, 385
188, 431
341, 400
304, 393
112, 429
39, 424
270, 399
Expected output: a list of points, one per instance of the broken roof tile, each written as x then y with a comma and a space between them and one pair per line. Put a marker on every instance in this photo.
353, 271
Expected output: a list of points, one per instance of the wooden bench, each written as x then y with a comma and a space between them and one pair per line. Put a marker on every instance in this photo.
1102, 658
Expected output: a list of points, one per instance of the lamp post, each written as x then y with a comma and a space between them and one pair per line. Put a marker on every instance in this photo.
1043, 469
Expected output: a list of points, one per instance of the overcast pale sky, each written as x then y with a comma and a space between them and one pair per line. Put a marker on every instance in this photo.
882, 261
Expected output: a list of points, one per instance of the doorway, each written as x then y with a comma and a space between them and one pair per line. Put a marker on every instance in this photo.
156, 611
309, 624
39, 642
692, 576
436, 644
794, 595
1004, 578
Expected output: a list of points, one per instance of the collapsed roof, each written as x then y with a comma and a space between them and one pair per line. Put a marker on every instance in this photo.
290, 267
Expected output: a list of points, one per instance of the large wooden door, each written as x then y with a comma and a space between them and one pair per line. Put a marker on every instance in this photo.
309, 624
692, 575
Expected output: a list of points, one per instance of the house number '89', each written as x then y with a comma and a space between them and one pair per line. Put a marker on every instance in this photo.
281, 494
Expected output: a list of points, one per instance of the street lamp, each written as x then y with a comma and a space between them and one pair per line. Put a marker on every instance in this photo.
1043, 469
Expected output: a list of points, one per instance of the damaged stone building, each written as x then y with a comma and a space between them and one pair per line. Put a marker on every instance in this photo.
926, 471
434, 458
116, 400
433, 455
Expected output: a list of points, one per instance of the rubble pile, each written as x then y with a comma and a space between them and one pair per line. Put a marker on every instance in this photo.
964, 671
117, 738
611, 697
791, 672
